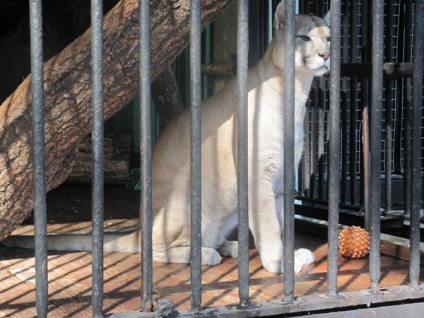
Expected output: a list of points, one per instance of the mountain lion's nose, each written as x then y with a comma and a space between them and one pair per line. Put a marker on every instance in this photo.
324, 55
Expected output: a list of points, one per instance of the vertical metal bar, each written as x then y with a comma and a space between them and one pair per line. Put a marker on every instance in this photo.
98, 155
334, 148
207, 60
146, 155
242, 183
388, 117
315, 134
322, 156
195, 155
416, 131
304, 175
354, 198
365, 98
345, 102
407, 112
39, 170
375, 140
289, 102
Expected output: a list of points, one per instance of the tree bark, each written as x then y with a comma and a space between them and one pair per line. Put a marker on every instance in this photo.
68, 96
167, 97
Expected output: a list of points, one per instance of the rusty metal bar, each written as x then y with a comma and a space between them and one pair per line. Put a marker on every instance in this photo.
39, 155
146, 155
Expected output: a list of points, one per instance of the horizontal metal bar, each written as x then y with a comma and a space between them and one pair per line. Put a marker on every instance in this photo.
390, 70
305, 305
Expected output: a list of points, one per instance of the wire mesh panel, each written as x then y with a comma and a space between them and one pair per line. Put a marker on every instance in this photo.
355, 99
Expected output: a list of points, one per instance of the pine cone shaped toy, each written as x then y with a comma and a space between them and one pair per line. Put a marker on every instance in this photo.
354, 242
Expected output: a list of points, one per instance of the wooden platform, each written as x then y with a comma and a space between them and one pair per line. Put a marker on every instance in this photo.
70, 280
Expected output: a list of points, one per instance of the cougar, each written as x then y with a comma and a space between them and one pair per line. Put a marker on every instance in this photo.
171, 157
171, 162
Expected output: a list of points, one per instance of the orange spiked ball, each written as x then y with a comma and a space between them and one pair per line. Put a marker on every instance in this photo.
354, 242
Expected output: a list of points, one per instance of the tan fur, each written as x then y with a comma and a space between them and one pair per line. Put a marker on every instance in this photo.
171, 161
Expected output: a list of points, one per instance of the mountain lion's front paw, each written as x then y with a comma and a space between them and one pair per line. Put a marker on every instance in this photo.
210, 257
302, 257
273, 266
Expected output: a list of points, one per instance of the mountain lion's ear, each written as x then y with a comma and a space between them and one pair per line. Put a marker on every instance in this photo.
280, 16
327, 18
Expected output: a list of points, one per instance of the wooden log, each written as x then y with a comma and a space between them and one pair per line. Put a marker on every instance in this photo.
117, 150
68, 96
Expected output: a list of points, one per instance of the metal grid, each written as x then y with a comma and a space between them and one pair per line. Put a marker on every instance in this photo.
355, 98
290, 305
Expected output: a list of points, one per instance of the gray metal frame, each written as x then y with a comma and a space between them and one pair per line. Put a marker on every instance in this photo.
289, 305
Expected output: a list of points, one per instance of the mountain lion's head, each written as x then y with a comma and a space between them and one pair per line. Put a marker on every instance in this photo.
312, 51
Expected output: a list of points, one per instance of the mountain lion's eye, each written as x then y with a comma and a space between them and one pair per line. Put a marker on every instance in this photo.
304, 38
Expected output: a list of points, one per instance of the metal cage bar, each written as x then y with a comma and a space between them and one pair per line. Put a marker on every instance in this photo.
98, 155
289, 33
242, 168
416, 134
146, 155
195, 155
375, 140
334, 148
388, 118
39, 154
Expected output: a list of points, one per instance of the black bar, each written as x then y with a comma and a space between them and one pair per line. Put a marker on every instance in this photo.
354, 197
346, 29
313, 193
390, 70
289, 102
375, 141
407, 111
322, 155
334, 148
195, 158
39, 170
98, 155
304, 167
242, 167
388, 117
146, 155
416, 132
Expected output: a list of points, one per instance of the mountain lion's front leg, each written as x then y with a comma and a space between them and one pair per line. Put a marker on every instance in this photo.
302, 256
265, 226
